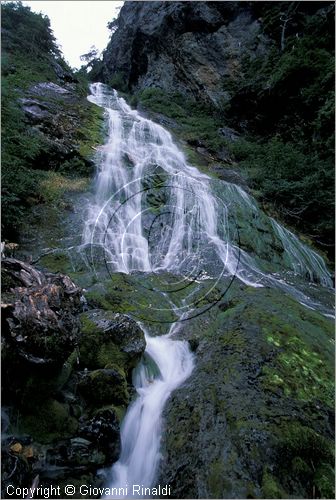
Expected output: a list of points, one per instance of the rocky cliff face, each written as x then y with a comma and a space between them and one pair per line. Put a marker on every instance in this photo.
194, 48
263, 69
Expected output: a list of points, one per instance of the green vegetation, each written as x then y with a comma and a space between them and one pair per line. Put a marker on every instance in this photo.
309, 457
117, 81
54, 422
196, 121
287, 101
40, 166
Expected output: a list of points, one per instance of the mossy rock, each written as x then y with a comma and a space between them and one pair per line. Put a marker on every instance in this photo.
137, 296
51, 422
48, 381
56, 262
270, 487
110, 339
274, 442
91, 133
105, 386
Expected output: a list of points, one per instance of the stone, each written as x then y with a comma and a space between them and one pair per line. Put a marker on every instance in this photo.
103, 430
110, 338
16, 448
42, 323
213, 38
104, 386
253, 420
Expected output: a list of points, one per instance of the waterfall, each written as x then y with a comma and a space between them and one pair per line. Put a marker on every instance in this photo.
153, 212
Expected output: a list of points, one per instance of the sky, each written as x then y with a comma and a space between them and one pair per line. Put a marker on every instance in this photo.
77, 25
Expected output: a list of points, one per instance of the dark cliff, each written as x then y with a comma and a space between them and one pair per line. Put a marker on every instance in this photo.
189, 47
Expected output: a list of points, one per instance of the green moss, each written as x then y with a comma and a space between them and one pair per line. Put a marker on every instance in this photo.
66, 370
105, 386
298, 368
118, 81
324, 479
196, 121
135, 295
309, 458
270, 487
302, 441
56, 262
87, 326
97, 351
111, 354
54, 185
216, 479
91, 134
119, 411
53, 422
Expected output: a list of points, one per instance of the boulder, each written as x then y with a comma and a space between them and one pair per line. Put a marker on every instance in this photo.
255, 418
104, 386
41, 321
110, 338
104, 430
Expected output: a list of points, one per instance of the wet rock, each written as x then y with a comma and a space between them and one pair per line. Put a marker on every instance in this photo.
229, 134
252, 421
230, 175
35, 109
105, 386
103, 430
65, 123
63, 74
15, 469
48, 87
59, 424
110, 338
212, 38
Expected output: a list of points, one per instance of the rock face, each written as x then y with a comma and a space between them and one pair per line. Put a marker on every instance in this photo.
57, 115
255, 419
66, 379
188, 47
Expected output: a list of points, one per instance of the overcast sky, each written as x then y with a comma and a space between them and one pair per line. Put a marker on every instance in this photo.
77, 25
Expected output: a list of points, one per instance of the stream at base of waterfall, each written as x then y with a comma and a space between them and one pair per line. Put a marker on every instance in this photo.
153, 212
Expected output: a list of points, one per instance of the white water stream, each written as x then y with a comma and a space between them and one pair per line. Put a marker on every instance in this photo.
196, 237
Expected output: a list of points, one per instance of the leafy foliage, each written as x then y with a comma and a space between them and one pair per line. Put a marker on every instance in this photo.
285, 101
25, 37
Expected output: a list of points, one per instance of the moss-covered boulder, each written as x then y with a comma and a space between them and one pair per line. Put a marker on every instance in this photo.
110, 339
53, 422
255, 419
104, 386
65, 388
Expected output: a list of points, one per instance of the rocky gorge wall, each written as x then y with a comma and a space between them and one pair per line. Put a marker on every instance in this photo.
188, 47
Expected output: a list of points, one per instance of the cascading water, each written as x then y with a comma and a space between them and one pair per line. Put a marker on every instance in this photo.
194, 235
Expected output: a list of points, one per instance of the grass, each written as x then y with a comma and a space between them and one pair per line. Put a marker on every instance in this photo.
55, 185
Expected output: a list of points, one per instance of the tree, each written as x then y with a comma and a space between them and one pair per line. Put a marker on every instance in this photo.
91, 55
113, 26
